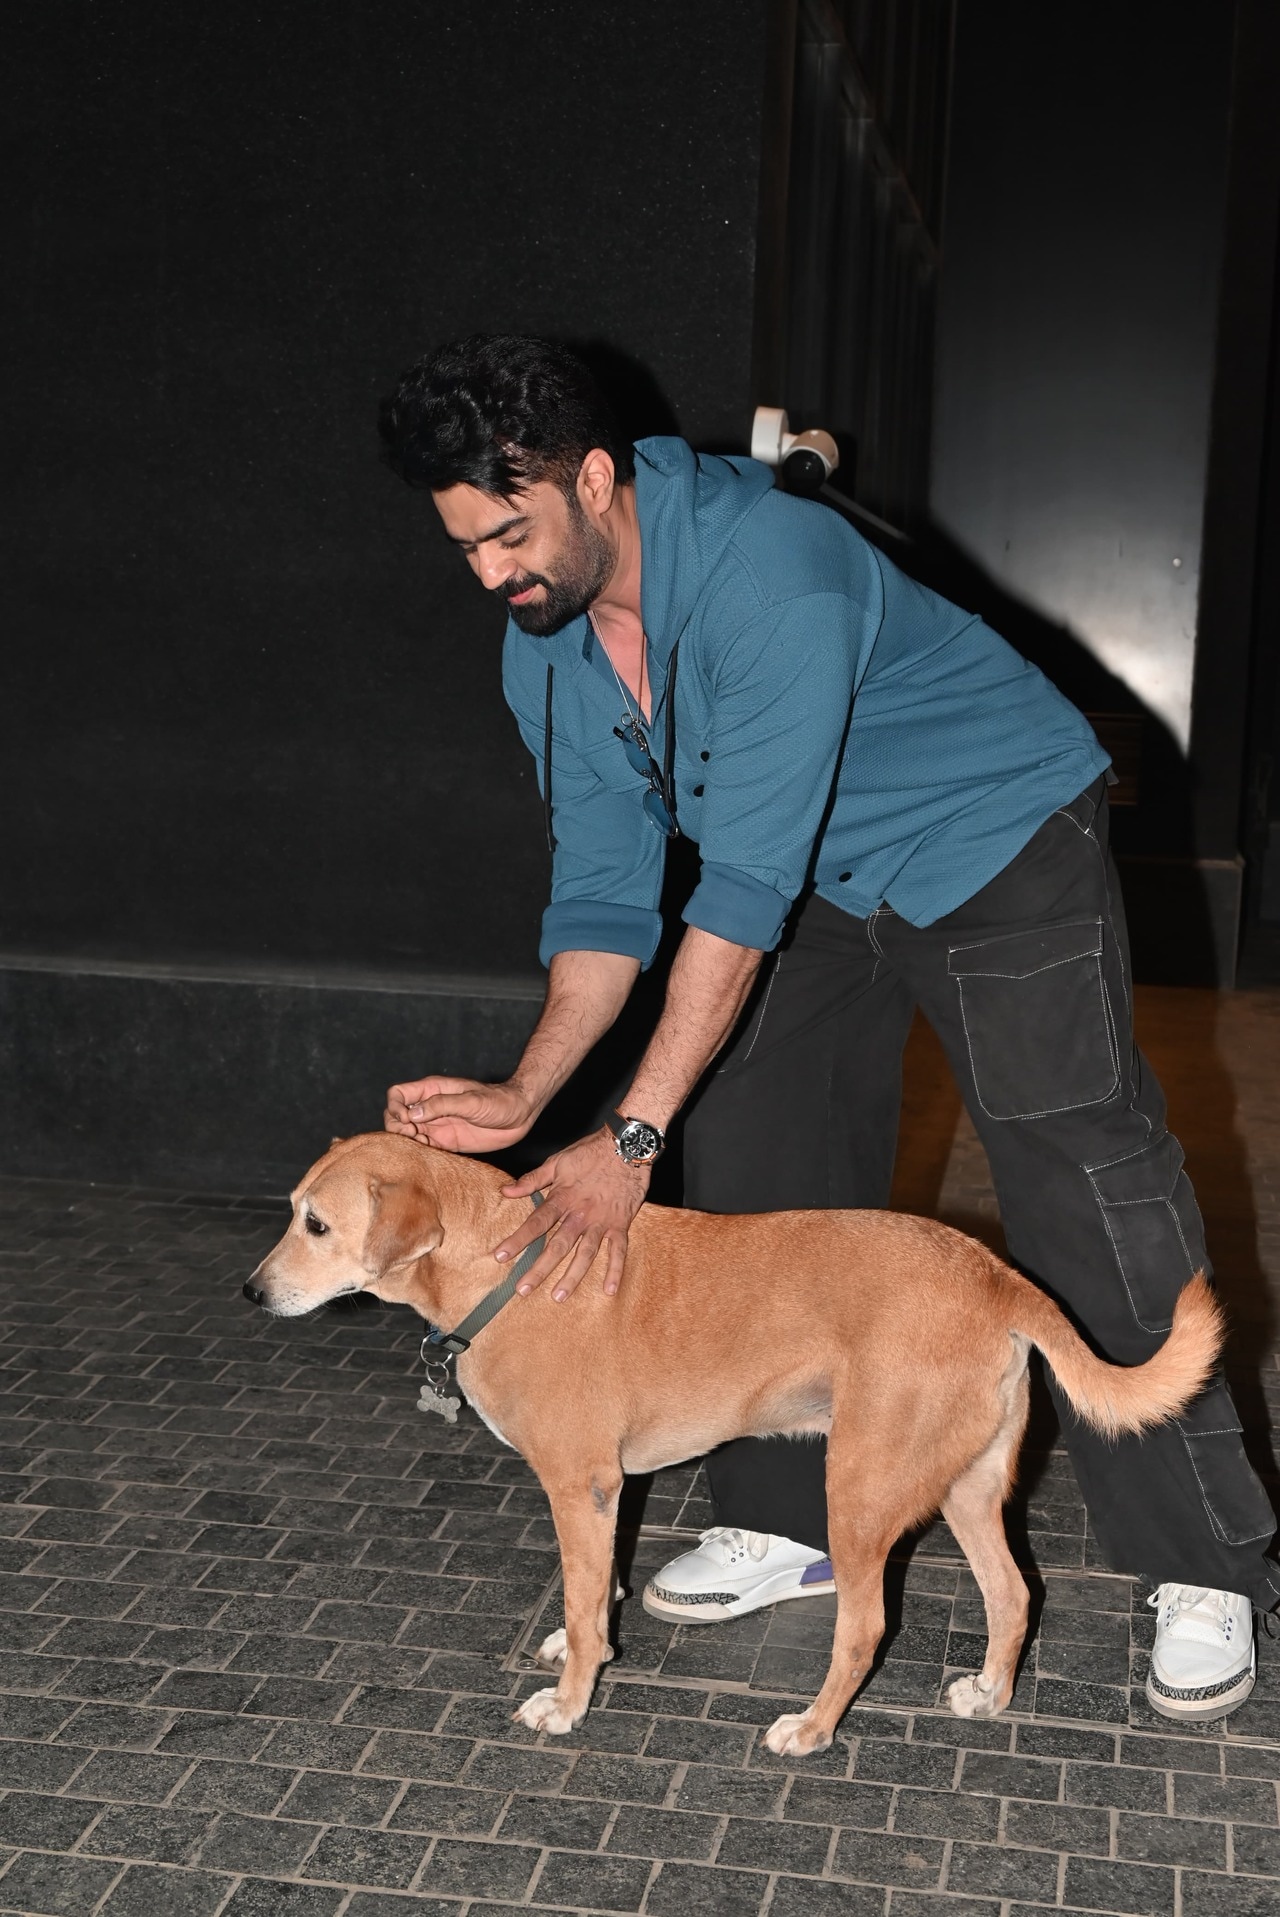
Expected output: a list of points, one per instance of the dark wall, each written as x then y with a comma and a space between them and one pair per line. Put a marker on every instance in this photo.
1082, 248
251, 705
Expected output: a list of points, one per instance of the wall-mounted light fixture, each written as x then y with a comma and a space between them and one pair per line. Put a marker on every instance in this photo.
806, 460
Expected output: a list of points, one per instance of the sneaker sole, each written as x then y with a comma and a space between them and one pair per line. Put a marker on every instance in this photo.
709, 1611
1179, 1704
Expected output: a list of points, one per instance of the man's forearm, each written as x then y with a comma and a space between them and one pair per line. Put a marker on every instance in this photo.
585, 993
706, 992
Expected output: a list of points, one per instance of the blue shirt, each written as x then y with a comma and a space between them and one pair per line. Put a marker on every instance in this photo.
836, 725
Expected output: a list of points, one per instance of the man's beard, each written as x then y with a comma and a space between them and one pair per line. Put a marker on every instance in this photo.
582, 573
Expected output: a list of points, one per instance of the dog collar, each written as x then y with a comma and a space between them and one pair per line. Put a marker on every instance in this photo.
452, 1344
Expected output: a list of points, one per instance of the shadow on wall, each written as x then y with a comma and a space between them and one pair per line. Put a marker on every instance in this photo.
1175, 935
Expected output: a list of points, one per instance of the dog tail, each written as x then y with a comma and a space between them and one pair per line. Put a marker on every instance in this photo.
1117, 1399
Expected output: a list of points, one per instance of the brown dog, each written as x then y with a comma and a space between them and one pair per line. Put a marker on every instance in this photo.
902, 1340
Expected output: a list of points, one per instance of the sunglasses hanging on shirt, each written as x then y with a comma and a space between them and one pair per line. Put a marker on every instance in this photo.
660, 799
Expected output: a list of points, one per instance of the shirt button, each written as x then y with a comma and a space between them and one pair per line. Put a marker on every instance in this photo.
698, 791
704, 755
845, 877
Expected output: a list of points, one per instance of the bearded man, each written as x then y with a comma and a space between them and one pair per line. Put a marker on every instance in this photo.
899, 810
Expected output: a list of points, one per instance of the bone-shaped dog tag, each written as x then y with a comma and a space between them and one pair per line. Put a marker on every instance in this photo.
429, 1399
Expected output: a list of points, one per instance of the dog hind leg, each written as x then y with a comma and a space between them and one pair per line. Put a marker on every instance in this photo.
585, 1528
864, 1505
974, 1508
859, 1628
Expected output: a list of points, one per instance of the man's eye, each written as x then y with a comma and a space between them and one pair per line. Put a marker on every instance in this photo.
316, 1225
509, 544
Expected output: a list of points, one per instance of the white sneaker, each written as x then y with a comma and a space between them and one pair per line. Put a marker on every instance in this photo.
1204, 1661
733, 1572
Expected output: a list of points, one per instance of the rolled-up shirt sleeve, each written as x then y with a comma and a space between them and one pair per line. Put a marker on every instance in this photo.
781, 695
607, 867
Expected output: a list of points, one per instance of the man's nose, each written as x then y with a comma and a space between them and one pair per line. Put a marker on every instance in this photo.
253, 1291
494, 567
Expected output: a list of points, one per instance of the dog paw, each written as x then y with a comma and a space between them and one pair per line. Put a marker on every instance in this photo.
544, 1712
973, 1697
795, 1736
553, 1650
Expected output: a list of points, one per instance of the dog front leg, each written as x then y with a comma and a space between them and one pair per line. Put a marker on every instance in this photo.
585, 1518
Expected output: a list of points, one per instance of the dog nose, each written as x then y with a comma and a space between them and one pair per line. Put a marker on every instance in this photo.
252, 1292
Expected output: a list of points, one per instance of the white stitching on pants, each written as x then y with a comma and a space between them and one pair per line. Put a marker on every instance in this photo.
764, 1006
1213, 1516
1049, 1111
1138, 1319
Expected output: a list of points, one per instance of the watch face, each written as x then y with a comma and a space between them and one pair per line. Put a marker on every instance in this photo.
638, 1142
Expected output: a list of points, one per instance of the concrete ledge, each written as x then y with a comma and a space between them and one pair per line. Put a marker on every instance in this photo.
224, 1078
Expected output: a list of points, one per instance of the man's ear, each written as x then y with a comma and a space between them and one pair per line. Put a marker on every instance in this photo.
404, 1226
597, 482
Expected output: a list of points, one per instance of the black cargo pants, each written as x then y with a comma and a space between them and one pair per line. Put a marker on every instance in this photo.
1028, 988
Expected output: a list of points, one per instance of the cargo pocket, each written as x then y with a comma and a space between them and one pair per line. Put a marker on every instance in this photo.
1153, 1222
1037, 1020
1239, 1509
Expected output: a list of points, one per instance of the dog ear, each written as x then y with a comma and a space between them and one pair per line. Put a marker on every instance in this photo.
404, 1225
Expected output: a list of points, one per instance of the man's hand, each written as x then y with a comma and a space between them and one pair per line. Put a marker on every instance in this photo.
459, 1114
591, 1197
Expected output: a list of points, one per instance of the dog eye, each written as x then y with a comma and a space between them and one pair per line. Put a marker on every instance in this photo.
316, 1225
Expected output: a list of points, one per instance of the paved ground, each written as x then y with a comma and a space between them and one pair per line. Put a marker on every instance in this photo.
262, 1625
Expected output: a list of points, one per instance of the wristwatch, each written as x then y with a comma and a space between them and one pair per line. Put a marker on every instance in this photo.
639, 1142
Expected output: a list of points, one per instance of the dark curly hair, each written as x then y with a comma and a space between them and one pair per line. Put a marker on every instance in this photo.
499, 411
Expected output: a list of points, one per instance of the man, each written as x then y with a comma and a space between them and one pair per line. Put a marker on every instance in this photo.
899, 810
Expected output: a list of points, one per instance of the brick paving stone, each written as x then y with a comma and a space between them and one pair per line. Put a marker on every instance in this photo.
158, 1836
402, 1754
478, 1870
60, 1886
442, 1808
682, 1888
218, 1786
258, 1845
143, 1892
757, 1844
366, 1903
1061, 1827
330, 1799
663, 1833
697, 1743
822, 1800
910, 1861
1231, 1797
947, 1814
620, 1779
740, 1793
917, 1903
983, 1869
331, 1747
1131, 1888
613, 1731
1119, 1785
29, 1819
1211, 1896
602, 1883
804, 1897
263, 1897
1256, 1851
